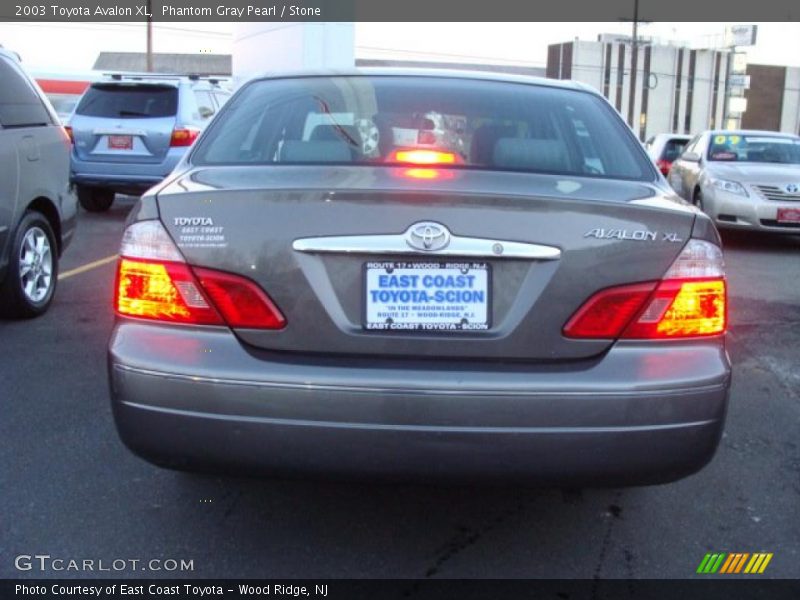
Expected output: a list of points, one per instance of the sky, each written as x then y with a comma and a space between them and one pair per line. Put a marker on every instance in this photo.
74, 46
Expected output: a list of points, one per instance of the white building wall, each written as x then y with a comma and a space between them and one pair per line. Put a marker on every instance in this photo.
703, 91
587, 63
790, 112
661, 99
264, 47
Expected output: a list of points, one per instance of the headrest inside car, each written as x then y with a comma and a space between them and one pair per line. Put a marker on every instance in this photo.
531, 154
315, 152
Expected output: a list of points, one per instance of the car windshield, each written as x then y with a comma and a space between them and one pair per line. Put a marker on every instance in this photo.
754, 148
673, 149
461, 123
63, 103
129, 101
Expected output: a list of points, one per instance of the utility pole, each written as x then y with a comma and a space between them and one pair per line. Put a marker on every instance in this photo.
149, 55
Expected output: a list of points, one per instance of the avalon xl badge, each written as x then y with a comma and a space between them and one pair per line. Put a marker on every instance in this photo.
636, 235
428, 236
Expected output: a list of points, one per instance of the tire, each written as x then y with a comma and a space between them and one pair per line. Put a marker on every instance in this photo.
30, 282
95, 199
697, 199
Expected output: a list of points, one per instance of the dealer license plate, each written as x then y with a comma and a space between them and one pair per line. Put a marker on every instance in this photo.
788, 215
425, 296
120, 142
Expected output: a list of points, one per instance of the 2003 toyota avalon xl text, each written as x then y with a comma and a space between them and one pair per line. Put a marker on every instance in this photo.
418, 275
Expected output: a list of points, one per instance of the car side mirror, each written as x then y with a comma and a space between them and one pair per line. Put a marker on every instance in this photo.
205, 112
690, 157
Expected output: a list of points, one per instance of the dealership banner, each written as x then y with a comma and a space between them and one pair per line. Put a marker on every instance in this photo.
392, 10
738, 587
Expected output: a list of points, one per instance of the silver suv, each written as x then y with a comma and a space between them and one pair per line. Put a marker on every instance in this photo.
37, 206
129, 131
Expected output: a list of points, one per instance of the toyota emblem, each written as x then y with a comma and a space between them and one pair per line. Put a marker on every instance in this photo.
792, 188
427, 236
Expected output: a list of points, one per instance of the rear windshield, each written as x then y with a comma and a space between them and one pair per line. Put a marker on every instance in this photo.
754, 148
391, 120
120, 101
673, 149
63, 103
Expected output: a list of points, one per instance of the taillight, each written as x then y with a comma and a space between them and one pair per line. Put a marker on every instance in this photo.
163, 291
690, 301
664, 166
241, 302
183, 136
606, 314
70, 135
154, 282
682, 309
419, 156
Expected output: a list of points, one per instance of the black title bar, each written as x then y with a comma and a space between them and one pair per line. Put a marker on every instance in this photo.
398, 10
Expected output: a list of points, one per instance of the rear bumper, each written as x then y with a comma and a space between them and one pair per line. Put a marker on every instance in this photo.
197, 398
122, 176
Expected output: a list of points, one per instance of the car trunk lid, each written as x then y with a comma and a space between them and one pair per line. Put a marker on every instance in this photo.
590, 234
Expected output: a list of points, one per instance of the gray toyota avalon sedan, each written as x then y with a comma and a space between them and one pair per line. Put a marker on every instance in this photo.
437, 275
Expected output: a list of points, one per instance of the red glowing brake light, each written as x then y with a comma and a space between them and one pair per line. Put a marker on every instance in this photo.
419, 156
183, 136
664, 166
241, 302
691, 301
606, 314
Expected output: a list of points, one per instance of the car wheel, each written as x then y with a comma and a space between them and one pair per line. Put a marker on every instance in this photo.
32, 270
697, 199
95, 199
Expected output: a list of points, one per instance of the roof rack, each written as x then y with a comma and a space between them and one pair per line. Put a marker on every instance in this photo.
212, 79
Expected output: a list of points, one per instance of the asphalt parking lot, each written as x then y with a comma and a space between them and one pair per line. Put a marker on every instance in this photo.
71, 490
